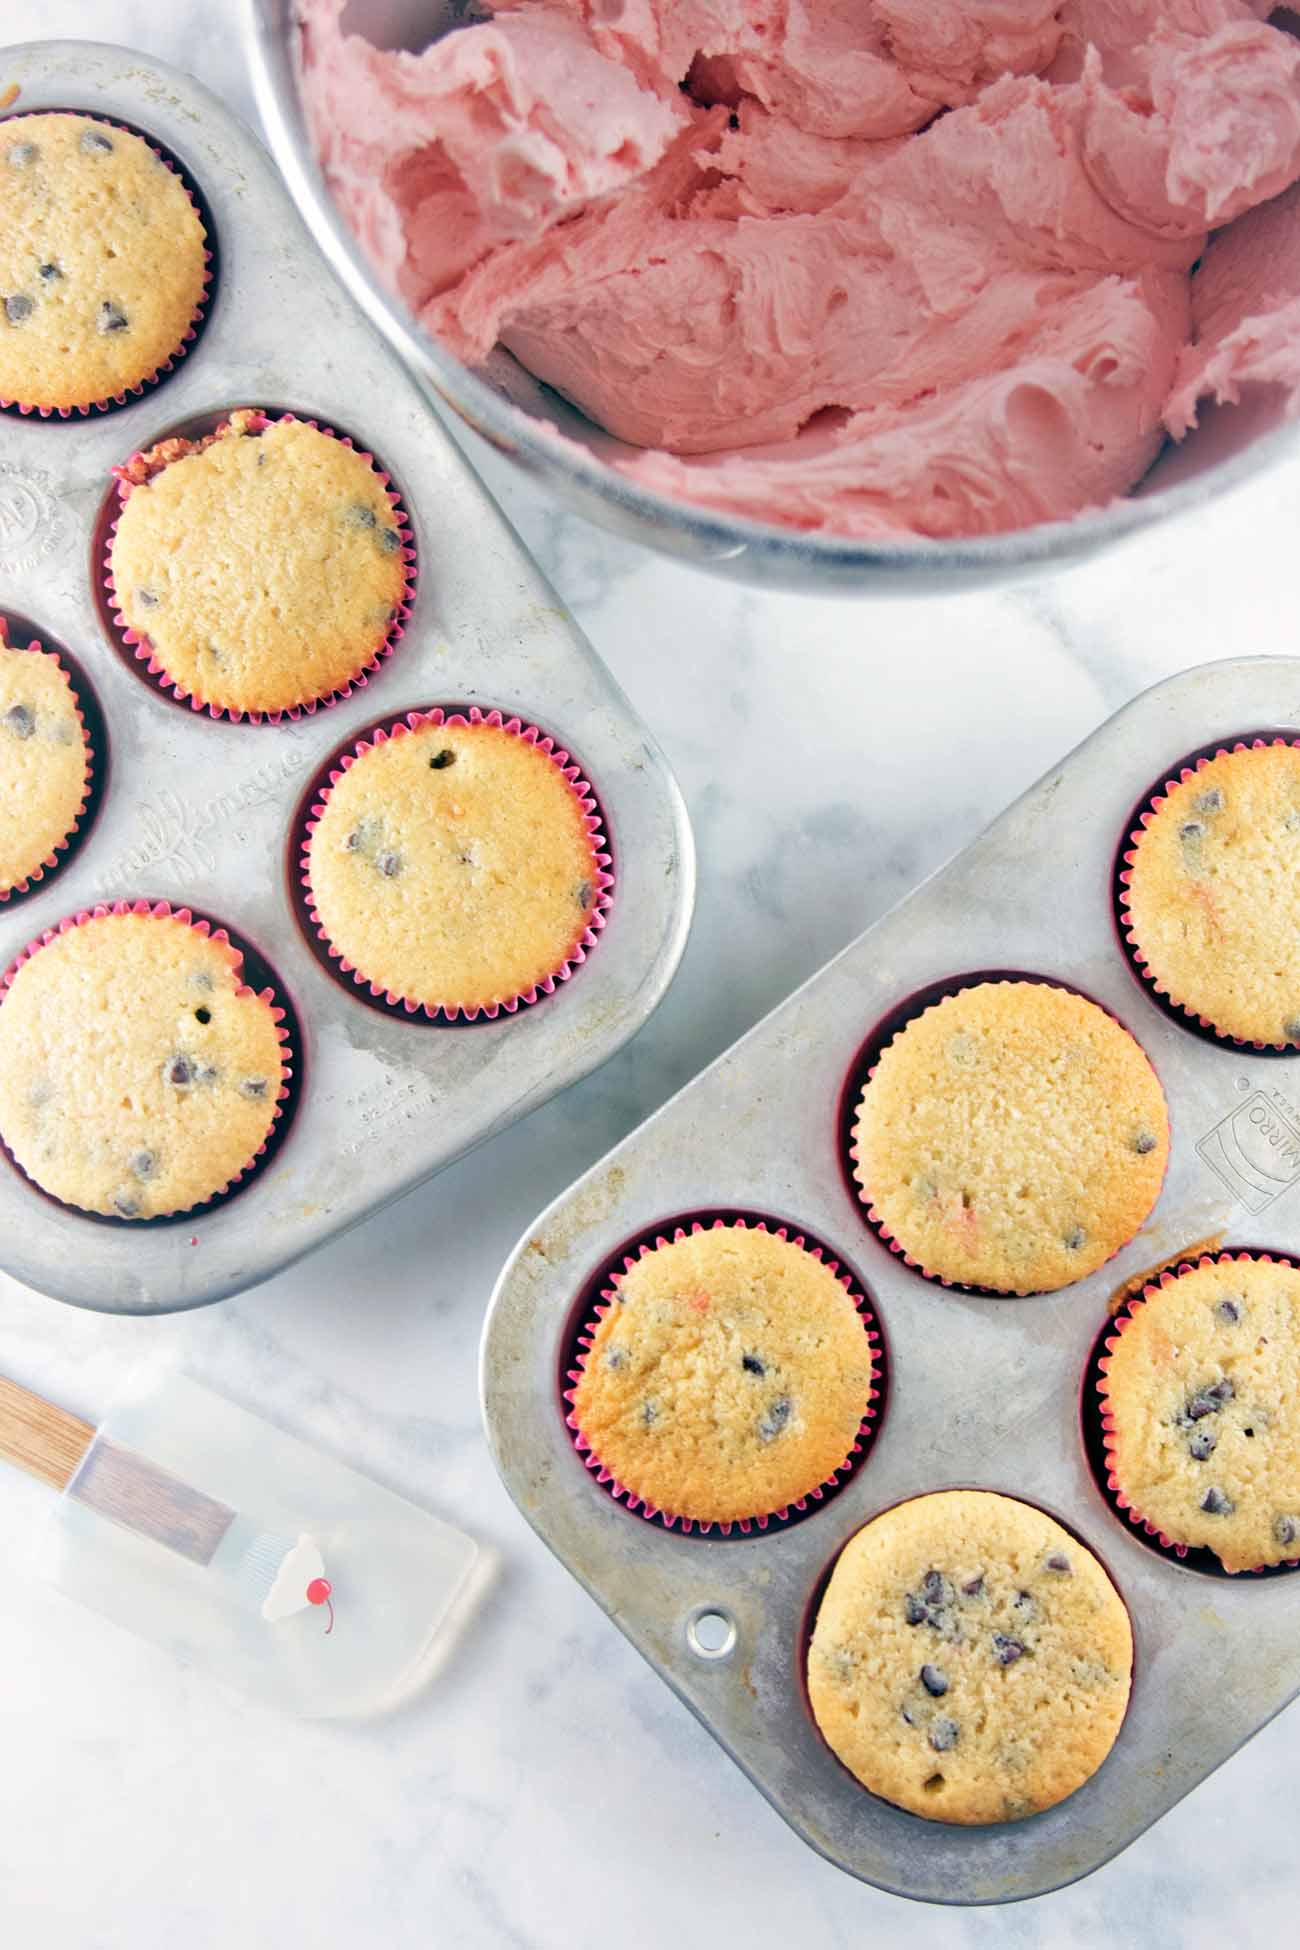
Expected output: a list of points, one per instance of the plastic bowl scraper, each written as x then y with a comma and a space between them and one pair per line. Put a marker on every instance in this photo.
204, 1529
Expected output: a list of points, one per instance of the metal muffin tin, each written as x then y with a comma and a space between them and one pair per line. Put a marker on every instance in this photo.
983, 1391
199, 811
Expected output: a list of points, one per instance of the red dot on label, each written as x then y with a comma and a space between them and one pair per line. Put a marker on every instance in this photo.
318, 1591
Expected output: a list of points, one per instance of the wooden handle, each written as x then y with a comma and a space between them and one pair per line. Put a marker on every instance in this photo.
46, 1441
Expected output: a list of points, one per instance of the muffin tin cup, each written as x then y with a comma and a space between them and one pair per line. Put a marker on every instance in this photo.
141, 648
759, 1519
204, 812
1096, 1400
163, 910
882, 1038
584, 939
981, 1393
1186, 768
197, 316
94, 764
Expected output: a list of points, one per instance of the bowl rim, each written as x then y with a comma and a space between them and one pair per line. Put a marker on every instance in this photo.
713, 537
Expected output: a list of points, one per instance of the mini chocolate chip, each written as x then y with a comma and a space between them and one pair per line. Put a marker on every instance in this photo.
1229, 1312
649, 1414
353, 840
1201, 1444
203, 1015
1057, 1561
95, 143
935, 1588
1286, 1529
22, 153
252, 1087
1024, 1604
360, 516
1216, 1504
935, 1681
49, 272
1209, 1400
179, 1071
18, 306
1007, 1650
943, 1735
616, 1358
775, 1420
441, 760
20, 719
389, 864
973, 1589
1191, 831
206, 1073
1074, 1238
146, 598
387, 539
1144, 1142
914, 1611
1291, 1029
144, 1164
752, 1365
1221, 1390
583, 893
110, 318
909, 1714
1211, 801
126, 1205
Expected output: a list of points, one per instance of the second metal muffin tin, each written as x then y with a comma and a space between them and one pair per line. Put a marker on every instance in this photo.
199, 812
983, 1392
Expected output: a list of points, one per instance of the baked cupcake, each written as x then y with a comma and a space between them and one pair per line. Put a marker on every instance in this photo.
139, 1076
728, 1377
102, 263
45, 763
1201, 1417
260, 569
454, 864
1011, 1137
1211, 893
971, 1661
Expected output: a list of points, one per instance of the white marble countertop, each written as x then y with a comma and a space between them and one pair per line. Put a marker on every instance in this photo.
549, 1792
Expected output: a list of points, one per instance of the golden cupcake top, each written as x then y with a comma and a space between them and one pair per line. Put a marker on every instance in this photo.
971, 1660
452, 866
1213, 896
729, 1378
1201, 1388
44, 761
262, 562
102, 263
1013, 1136
138, 1076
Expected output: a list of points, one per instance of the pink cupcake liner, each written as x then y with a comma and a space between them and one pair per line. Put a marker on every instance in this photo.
55, 857
607, 1286
1096, 1386
860, 1076
138, 646
1151, 805
285, 1100
602, 873
198, 317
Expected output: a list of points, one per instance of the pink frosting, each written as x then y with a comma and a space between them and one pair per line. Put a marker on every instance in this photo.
742, 236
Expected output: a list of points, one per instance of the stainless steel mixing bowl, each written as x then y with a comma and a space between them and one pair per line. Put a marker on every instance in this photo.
509, 408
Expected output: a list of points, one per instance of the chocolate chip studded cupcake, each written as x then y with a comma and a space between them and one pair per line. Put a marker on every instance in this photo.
45, 763
139, 1076
1011, 1137
1201, 1419
103, 263
1210, 894
455, 864
260, 569
971, 1661
727, 1378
